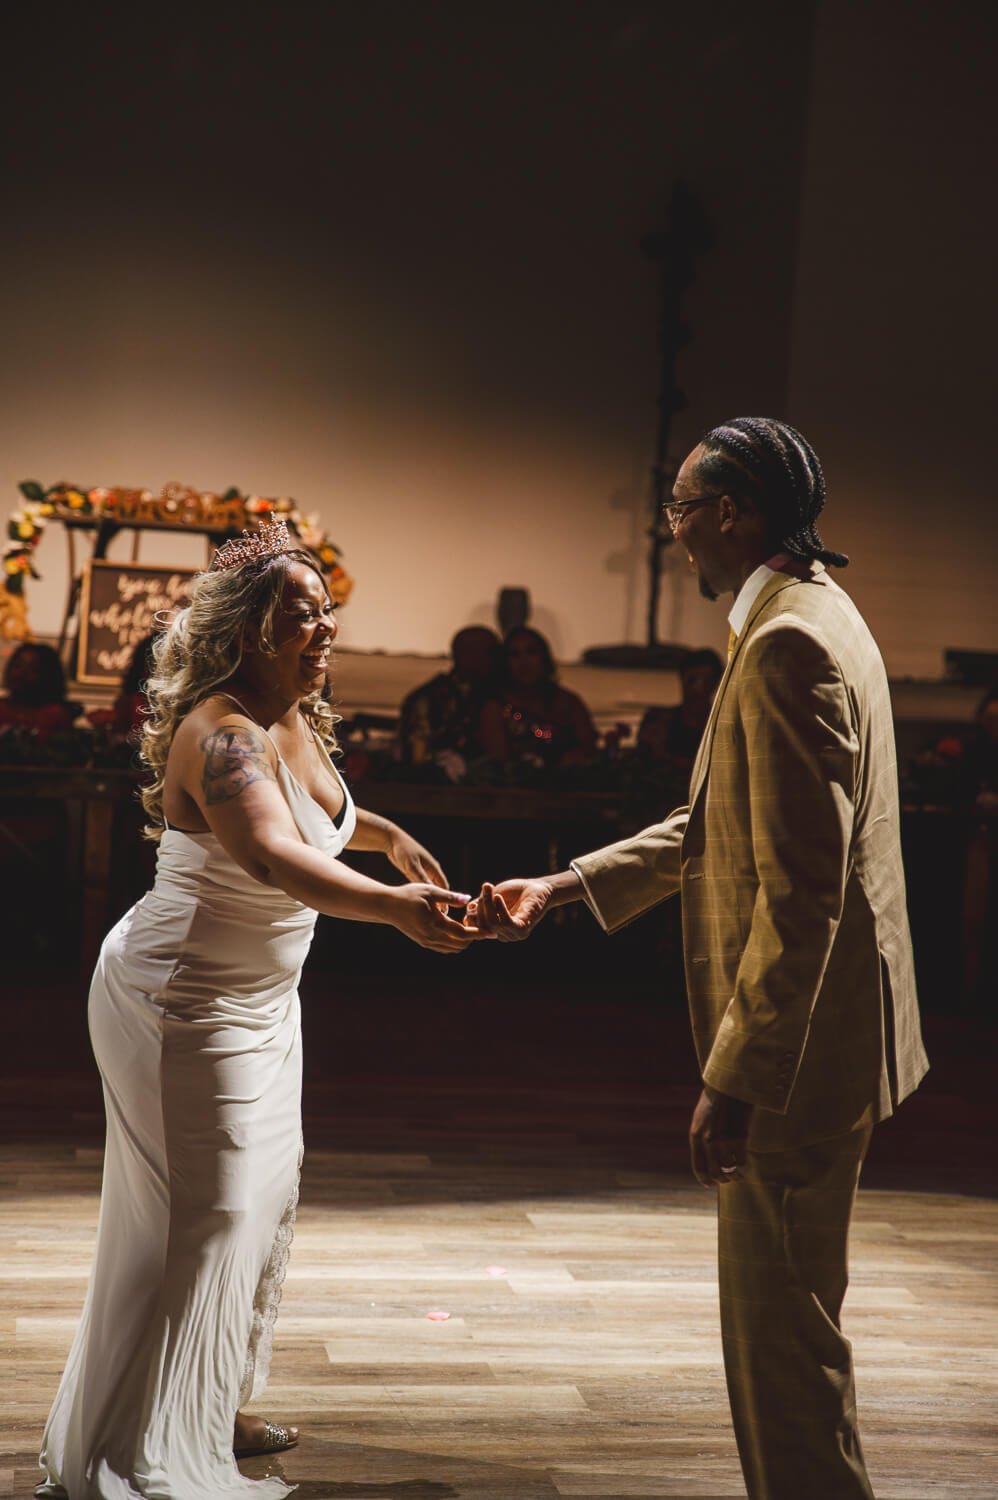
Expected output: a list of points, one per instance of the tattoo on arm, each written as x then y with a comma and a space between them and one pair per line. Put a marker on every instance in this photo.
233, 758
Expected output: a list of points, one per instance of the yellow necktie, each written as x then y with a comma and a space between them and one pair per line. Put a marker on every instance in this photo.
732, 638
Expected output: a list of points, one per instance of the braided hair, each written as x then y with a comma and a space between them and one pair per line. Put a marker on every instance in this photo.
779, 470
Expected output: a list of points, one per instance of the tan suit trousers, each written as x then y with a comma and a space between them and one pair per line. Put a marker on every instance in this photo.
783, 1231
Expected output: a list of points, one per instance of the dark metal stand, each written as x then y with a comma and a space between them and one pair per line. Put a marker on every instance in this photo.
687, 234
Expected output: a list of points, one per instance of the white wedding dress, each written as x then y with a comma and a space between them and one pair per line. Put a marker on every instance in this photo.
195, 1022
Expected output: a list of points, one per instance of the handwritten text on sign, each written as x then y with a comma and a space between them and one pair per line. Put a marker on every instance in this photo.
122, 602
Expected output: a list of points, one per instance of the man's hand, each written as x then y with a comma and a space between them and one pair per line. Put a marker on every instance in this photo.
718, 1137
420, 911
512, 910
415, 862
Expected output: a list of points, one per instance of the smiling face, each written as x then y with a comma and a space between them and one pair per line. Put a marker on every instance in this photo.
724, 537
699, 531
304, 631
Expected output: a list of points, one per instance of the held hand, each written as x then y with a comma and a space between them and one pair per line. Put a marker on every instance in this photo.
718, 1137
512, 910
415, 862
420, 911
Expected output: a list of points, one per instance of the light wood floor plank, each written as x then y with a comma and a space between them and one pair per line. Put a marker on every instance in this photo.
587, 1366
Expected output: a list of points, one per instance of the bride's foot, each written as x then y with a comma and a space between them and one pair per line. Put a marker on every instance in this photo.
254, 1435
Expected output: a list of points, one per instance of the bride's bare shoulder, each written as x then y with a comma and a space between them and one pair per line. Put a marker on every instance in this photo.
219, 718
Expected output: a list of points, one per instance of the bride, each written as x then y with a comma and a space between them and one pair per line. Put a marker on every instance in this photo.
195, 1023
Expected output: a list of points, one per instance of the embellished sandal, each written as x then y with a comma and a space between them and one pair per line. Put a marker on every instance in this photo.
275, 1439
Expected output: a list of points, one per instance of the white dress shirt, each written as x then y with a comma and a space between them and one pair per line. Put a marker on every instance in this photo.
749, 593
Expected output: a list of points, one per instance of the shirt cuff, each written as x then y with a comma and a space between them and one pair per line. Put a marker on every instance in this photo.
590, 898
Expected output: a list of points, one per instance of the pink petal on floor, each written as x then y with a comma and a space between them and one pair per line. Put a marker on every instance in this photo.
495, 1270
438, 1315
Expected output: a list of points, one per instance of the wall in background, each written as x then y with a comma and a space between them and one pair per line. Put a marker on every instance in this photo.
896, 318
386, 259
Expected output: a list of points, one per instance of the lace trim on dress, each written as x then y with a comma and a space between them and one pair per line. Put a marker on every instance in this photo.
268, 1299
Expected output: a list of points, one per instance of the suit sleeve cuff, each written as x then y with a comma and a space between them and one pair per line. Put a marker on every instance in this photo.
590, 898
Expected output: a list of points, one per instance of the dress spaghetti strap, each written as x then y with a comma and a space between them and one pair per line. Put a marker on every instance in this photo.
241, 707
336, 821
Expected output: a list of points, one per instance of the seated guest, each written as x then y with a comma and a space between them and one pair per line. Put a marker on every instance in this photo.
531, 715
126, 716
980, 897
33, 834
131, 707
674, 734
36, 691
443, 714
978, 758
960, 769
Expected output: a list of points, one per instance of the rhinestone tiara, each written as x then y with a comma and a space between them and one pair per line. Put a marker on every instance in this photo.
268, 541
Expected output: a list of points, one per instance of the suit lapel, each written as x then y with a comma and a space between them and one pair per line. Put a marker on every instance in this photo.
769, 590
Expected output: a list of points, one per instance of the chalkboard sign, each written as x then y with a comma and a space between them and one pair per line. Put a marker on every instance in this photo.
120, 603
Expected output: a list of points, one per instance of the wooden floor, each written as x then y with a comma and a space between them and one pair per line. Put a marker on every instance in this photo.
574, 1259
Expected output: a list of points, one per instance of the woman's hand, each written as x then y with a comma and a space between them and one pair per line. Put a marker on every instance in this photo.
420, 911
414, 862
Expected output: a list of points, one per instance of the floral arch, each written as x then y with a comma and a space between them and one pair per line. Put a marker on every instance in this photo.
176, 507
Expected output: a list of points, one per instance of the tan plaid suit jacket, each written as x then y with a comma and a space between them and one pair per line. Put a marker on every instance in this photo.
798, 955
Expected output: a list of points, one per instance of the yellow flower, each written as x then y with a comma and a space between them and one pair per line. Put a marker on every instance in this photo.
12, 564
76, 500
25, 530
46, 508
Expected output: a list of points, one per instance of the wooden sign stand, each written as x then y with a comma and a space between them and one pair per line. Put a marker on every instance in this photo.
105, 530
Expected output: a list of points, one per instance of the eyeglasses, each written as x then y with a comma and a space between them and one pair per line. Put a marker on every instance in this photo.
677, 509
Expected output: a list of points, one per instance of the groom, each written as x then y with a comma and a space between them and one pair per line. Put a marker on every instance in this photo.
798, 954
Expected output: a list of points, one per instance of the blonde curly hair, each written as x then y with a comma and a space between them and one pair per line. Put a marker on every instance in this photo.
202, 649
